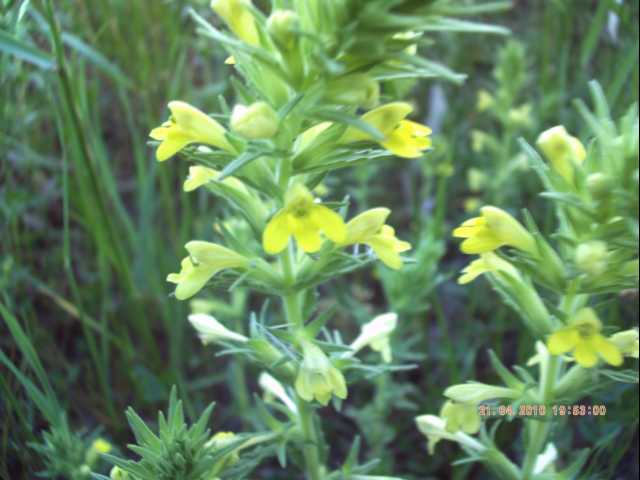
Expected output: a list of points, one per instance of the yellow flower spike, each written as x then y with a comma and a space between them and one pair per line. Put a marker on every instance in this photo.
460, 416
238, 17
304, 219
488, 262
563, 151
368, 228
582, 337
205, 260
627, 342
493, 229
403, 138
187, 126
317, 377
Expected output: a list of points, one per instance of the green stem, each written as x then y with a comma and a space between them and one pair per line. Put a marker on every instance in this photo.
293, 312
310, 448
541, 428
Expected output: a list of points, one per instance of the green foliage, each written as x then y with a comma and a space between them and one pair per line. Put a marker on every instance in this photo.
83, 263
177, 450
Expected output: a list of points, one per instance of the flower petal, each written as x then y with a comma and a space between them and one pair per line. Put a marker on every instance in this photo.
276, 234
308, 237
585, 354
562, 341
172, 144
193, 281
383, 248
330, 222
607, 350
483, 242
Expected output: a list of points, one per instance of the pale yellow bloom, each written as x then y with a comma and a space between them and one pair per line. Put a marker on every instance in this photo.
493, 229
369, 229
188, 125
303, 219
582, 337
238, 17
627, 342
460, 417
317, 377
403, 138
205, 260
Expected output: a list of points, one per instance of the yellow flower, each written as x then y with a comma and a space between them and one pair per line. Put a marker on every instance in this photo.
205, 260
188, 125
403, 138
488, 262
627, 342
317, 377
583, 338
369, 229
564, 151
460, 416
304, 219
493, 229
238, 17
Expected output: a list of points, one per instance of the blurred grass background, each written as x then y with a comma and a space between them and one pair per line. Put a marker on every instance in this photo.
90, 224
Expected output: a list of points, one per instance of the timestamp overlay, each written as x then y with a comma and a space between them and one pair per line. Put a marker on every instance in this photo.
539, 410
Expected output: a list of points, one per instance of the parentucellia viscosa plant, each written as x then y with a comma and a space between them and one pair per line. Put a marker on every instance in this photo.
560, 290
309, 81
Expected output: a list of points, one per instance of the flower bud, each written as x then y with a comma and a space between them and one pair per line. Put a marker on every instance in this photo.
479, 392
520, 116
357, 89
282, 26
97, 448
376, 333
476, 179
118, 474
257, 121
598, 185
238, 17
485, 101
563, 151
591, 257
211, 330
273, 387
221, 440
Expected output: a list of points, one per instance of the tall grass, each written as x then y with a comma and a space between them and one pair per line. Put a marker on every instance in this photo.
86, 217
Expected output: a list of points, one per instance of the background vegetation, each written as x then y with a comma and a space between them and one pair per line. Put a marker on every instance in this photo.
90, 225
